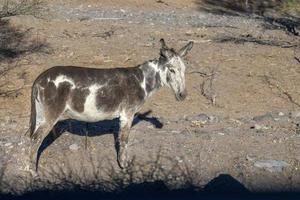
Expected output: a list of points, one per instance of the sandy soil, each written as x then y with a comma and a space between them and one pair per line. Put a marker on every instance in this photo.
256, 88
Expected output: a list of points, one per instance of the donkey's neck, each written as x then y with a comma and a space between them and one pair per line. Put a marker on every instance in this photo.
154, 76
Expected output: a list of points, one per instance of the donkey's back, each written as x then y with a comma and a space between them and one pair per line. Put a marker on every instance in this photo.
86, 94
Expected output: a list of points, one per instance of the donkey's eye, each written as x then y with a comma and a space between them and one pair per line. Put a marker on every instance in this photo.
172, 70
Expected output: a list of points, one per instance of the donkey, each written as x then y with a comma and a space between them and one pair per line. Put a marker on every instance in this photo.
91, 95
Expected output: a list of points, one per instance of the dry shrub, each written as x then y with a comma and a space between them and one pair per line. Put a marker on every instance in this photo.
20, 7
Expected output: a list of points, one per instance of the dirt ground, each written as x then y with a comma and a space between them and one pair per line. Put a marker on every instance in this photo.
255, 88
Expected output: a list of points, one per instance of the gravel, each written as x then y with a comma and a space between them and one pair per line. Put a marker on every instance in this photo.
172, 17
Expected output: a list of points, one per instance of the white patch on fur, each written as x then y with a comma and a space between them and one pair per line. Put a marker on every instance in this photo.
91, 113
143, 85
123, 119
177, 63
181, 64
39, 118
162, 75
178, 82
154, 66
90, 102
63, 78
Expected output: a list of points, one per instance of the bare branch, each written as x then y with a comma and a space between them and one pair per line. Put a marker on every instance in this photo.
207, 87
271, 81
10, 93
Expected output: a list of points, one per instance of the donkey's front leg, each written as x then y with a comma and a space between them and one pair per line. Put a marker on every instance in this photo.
125, 125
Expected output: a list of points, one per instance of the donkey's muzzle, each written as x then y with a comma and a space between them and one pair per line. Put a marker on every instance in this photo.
181, 95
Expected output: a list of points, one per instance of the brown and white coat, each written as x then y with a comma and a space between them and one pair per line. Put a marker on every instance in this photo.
91, 95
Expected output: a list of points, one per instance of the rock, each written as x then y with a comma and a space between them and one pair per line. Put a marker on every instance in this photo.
250, 158
201, 118
271, 165
8, 144
295, 114
264, 122
261, 127
281, 114
174, 131
74, 147
256, 127
264, 118
189, 33
213, 119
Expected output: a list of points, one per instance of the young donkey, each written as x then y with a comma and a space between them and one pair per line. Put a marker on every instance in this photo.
91, 95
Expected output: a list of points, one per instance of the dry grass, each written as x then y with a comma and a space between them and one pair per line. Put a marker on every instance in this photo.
102, 176
20, 7
291, 6
237, 7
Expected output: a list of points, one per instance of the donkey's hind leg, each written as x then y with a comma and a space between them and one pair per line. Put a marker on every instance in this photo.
40, 134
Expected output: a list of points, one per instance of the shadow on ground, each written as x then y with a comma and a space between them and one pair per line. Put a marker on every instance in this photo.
222, 187
93, 129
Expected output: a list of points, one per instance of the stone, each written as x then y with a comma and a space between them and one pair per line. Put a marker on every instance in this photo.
264, 118
201, 118
74, 147
257, 127
271, 165
8, 144
295, 114
250, 158
281, 114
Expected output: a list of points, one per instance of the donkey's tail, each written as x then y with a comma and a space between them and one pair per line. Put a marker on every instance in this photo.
32, 122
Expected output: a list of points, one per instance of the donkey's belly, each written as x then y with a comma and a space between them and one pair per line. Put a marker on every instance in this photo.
89, 116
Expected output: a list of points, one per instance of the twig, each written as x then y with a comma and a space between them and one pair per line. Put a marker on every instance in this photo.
297, 59
7, 69
268, 80
203, 74
9, 93
188, 130
208, 90
241, 39
160, 1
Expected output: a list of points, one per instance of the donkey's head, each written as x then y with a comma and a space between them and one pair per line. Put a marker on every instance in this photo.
175, 68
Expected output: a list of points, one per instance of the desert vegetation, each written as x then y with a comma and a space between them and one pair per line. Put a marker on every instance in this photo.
236, 134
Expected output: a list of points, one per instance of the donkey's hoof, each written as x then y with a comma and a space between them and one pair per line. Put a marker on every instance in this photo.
32, 172
122, 164
123, 160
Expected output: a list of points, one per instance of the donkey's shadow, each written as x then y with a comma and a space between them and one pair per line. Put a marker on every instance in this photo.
93, 129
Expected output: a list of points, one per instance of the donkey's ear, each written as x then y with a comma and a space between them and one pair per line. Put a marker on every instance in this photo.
184, 50
165, 51
163, 44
